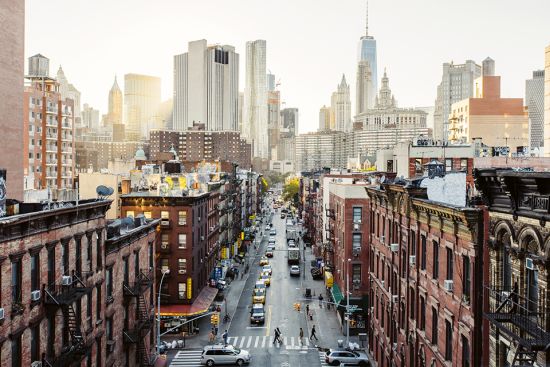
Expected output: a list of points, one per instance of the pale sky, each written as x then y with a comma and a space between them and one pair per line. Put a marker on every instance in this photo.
310, 43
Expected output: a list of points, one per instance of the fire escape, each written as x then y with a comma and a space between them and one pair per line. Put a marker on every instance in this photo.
63, 296
144, 319
520, 319
328, 247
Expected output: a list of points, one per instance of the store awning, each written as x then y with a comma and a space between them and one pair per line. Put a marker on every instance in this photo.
199, 306
337, 295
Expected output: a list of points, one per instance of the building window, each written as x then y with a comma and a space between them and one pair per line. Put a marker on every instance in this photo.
148, 215
450, 264
65, 259
137, 268
466, 284
413, 302
98, 352
89, 310
35, 343
412, 250
422, 320
16, 282
356, 274
109, 281
435, 272
35, 272
78, 256
448, 341
164, 265
357, 214
151, 255
165, 214
423, 252
448, 164
16, 351
465, 352
181, 290
434, 326
51, 268
182, 266
126, 271
90, 255
109, 333
99, 254
165, 241
506, 269
356, 242
98, 308
182, 241
182, 218
464, 164
130, 213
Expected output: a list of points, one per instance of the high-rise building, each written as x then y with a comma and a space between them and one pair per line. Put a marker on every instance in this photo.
69, 91
324, 118
240, 112
141, 103
289, 120
48, 122
534, 100
114, 115
456, 84
367, 53
547, 102
271, 82
90, 117
341, 106
254, 127
12, 41
363, 87
206, 87
273, 120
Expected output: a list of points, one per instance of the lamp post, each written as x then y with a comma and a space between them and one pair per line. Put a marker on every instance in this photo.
347, 303
167, 271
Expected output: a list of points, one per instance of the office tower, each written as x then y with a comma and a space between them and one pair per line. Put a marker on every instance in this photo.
547, 102
289, 120
254, 127
48, 122
324, 118
273, 120
206, 87
534, 100
90, 117
500, 122
141, 103
12, 40
456, 84
363, 87
240, 111
114, 115
271, 82
367, 54
68, 90
341, 106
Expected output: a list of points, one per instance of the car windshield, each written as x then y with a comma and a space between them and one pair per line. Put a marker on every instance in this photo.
258, 292
260, 285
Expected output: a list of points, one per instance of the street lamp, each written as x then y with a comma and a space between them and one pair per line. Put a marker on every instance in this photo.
347, 302
164, 272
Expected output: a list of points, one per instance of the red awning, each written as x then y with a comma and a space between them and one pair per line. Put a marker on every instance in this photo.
199, 306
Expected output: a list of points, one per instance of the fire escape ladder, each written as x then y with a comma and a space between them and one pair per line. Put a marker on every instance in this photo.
524, 357
77, 340
144, 359
143, 310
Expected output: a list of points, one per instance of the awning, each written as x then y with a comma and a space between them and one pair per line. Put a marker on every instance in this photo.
200, 305
337, 295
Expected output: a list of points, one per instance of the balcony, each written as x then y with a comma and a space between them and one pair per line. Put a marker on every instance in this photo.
519, 319
71, 289
144, 280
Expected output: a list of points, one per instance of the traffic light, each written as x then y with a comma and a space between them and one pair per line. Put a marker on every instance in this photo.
215, 319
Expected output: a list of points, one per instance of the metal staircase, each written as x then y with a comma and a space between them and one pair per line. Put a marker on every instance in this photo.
524, 357
77, 341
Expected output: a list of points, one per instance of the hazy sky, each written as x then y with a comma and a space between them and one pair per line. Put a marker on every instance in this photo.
310, 43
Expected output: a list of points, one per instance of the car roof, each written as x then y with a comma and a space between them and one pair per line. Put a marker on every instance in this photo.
218, 346
294, 266
257, 305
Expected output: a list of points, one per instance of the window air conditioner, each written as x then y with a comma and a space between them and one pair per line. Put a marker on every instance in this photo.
164, 246
395, 298
35, 295
355, 226
394, 247
529, 263
66, 280
181, 271
1, 313
412, 260
383, 239
448, 285
36, 364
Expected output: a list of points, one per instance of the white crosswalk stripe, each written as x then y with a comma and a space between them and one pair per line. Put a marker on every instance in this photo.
322, 359
187, 358
262, 342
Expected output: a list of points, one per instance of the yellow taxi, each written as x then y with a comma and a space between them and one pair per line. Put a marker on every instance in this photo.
258, 295
264, 261
266, 278
267, 269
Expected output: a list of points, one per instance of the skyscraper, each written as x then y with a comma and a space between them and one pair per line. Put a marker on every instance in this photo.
363, 87
534, 100
68, 90
273, 120
270, 82
341, 106
114, 115
367, 52
141, 103
90, 117
12, 42
456, 84
289, 120
254, 127
324, 118
206, 87
547, 102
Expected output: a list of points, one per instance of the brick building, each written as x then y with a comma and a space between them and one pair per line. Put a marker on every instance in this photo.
347, 227
51, 261
517, 297
426, 277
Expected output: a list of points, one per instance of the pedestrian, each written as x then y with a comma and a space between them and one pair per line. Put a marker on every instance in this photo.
301, 335
211, 336
320, 301
224, 336
313, 333
277, 336
307, 310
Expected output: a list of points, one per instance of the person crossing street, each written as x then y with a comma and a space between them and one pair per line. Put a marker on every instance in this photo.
277, 336
301, 336
313, 333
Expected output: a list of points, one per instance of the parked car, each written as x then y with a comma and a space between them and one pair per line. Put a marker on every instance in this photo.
335, 357
269, 253
266, 278
257, 314
294, 270
267, 268
224, 354
273, 232
258, 295
264, 261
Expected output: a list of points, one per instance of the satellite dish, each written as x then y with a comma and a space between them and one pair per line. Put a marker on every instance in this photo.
104, 191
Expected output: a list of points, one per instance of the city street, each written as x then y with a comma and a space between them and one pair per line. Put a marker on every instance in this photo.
284, 291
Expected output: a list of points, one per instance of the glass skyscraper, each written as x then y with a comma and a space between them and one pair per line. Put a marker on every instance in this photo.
367, 52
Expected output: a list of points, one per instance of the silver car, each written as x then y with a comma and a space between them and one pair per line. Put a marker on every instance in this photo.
335, 357
224, 354
294, 270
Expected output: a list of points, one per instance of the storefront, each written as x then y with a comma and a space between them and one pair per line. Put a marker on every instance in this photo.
173, 315
358, 309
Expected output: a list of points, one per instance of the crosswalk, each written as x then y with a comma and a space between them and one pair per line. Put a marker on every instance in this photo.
187, 358
322, 355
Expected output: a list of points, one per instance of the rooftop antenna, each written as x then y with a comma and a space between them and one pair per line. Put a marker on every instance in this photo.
367, 23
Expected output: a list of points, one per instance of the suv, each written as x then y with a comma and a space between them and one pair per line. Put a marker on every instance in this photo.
335, 357
220, 354
257, 315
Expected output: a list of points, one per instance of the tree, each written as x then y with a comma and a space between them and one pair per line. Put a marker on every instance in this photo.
291, 191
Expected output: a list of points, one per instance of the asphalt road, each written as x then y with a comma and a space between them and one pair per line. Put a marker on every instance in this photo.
281, 295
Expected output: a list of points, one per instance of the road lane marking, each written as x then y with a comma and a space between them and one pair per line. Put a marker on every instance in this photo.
249, 341
285, 342
256, 341
263, 341
231, 339
242, 342
291, 340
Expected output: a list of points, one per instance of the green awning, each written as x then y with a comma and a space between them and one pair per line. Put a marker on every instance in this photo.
337, 295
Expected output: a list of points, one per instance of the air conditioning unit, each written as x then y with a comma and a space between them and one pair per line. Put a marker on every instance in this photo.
395, 298
356, 251
356, 281
181, 271
394, 247
382, 284
36, 364
448, 285
355, 226
412, 260
35, 296
66, 280
357, 221
1, 313
529, 263
199, 219
202, 238
383, 239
